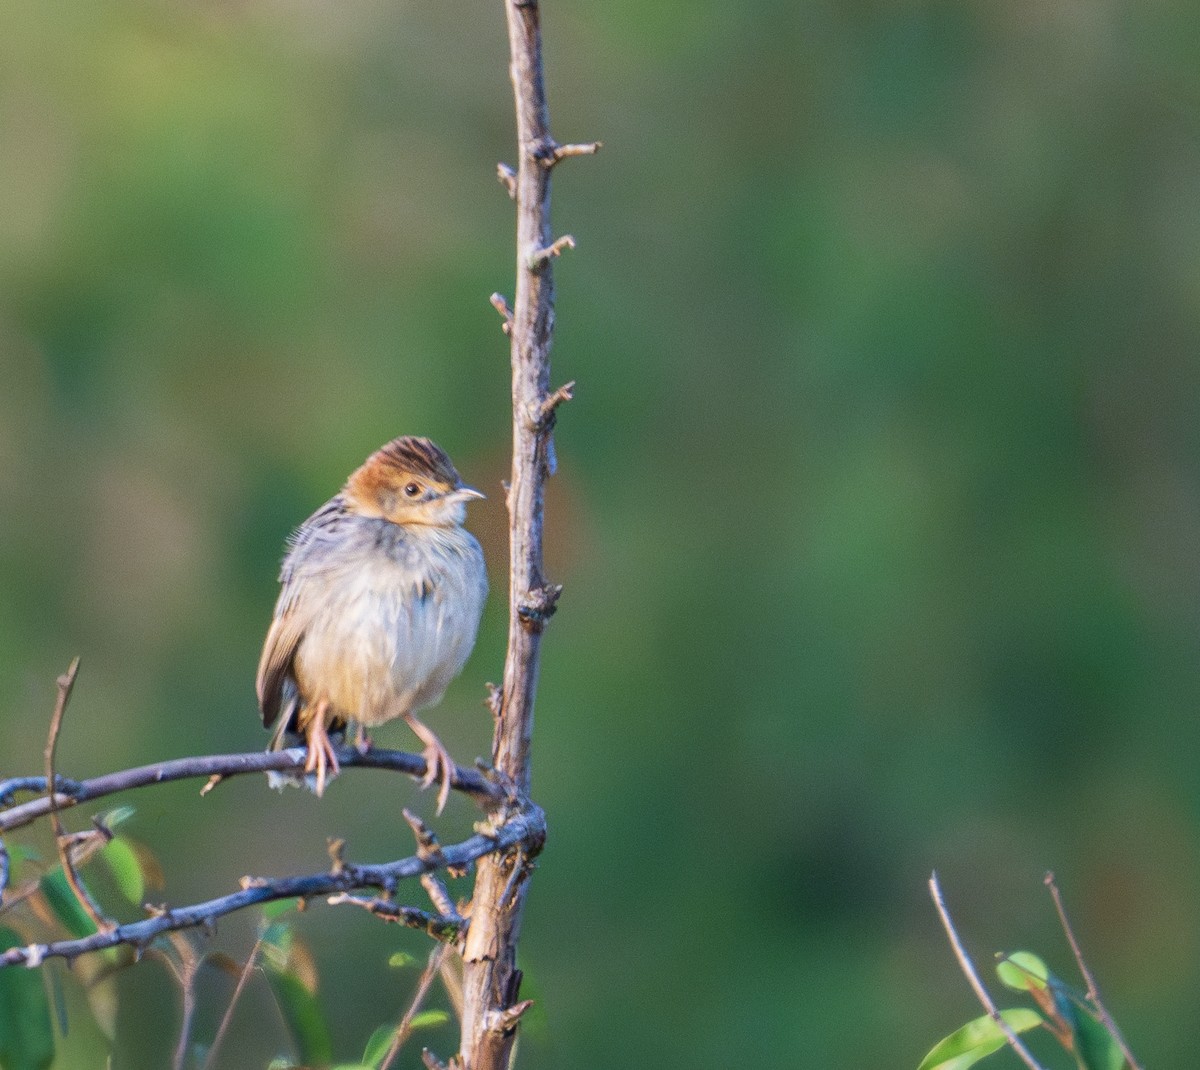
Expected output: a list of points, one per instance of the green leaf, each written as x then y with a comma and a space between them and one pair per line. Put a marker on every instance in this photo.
378, 1045
1095, 1048
276, 909
118, 815
977, 1039
63, 903
303, 1016
401, 959
26, 1035
277, 936
126, 869
1022, 971
428, 1019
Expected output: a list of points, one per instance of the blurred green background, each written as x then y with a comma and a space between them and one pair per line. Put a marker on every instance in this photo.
878, 509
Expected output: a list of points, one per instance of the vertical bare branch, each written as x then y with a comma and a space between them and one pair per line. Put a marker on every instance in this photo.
491, 980
1093, 990
66, 682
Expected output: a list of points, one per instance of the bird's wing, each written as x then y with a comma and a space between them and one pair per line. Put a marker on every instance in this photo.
275, 665
291, 616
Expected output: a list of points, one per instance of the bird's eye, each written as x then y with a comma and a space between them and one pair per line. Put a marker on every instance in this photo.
412, 490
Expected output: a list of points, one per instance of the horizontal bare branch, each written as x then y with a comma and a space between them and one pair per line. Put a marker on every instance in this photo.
526, 827
72, 792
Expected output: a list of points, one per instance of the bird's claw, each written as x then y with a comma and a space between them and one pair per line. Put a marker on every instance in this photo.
322, 758
438, 766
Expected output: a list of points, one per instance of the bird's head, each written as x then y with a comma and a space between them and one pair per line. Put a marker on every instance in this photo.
409, 481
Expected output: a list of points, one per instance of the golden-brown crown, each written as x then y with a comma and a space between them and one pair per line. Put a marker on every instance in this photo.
391, 474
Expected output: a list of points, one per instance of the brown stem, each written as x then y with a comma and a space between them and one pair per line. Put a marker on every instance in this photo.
66, 682
1093, 989
405, 1026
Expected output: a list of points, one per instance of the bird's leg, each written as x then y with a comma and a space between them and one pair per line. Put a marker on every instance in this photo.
321, 756
362, 741
438, 763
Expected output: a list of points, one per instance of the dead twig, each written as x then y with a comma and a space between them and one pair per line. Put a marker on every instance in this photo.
227, 1017
432, 966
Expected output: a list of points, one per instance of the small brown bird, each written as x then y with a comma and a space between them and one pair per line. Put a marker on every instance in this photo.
382, 590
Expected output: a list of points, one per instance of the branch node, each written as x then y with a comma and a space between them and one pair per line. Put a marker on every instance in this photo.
507, 177
494, 700
34, 955
566, 392
505, 1021
211, 783
428, 848
500, 304
555, 249
542, 415
538, 606
431, 1061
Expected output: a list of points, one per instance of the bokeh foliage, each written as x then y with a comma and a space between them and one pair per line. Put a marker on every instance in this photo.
878, 508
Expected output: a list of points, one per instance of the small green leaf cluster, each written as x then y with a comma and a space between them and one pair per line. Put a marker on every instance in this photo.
1070, 1016
33, 1014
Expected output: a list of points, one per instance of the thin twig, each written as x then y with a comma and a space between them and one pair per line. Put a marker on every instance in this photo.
526, 827
968, 968
440, 927
405, 1027
65, 683
1093, 989
563, 152
227, 1017
500, 304
544, 254
72, 792
507, 178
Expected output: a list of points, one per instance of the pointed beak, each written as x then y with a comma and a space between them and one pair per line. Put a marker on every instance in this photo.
465, 494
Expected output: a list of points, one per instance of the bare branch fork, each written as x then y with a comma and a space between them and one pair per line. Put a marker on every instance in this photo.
981, 992
514, 822
522, 829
